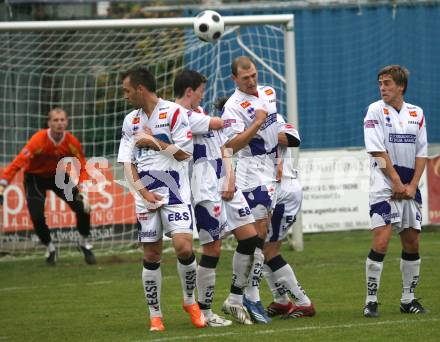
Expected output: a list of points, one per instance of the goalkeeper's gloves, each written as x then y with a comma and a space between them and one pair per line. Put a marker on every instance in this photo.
84, 199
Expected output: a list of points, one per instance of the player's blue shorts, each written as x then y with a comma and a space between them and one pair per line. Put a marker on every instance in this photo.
401, 214
289, 198
261, 200
216, 219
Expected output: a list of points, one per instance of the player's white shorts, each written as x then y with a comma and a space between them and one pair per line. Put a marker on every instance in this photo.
168, 220
261, 200
216, 219
400, 214
287, 206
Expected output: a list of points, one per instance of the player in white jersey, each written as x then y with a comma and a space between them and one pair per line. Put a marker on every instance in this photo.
395, 138
219, 210
250, 116
156, 139
279, 274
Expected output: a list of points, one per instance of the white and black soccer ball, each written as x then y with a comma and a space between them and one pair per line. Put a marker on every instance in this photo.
209, 26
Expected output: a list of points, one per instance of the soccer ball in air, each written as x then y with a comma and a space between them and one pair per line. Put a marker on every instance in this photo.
209, 26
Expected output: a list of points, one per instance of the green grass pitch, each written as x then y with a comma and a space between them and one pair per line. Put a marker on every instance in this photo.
76, 302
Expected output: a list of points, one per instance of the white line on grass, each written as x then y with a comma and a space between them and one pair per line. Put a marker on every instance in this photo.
271, 331
355, 262
103, 282
93, 283
25, 288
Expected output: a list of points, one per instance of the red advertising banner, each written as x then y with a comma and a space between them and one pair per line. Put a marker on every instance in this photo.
110, 202
434, 190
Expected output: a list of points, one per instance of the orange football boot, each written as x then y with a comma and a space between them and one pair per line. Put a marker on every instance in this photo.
156, 324
197, 316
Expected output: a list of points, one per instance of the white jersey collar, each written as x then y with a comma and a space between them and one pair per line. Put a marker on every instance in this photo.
246, 94
53, 140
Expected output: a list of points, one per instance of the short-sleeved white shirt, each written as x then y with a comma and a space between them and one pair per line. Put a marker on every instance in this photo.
401, 134
289, 172
207, 175
160, 171
256, 164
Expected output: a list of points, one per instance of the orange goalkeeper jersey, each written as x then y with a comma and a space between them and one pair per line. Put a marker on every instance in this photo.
41, 155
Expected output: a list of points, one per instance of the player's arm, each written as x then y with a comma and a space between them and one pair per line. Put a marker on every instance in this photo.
160, 145
181, 155
242, 139
83, 176
411, 188
384, 162
147, 140
282, 139
375, 145
78, 152
288, 139
421, 159
125, 157
20, 161
229, 190
215, 123
288, 136
279, 171
201, 123
23, 158
137, 185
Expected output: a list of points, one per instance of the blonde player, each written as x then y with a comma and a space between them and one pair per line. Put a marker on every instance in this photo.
250, 116
395, 138
39, 160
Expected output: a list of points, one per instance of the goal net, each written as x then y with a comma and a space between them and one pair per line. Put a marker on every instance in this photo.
78, 65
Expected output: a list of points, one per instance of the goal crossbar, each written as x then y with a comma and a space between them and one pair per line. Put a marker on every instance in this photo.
286, 19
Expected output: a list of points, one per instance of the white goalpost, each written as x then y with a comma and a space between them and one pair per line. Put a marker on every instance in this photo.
78, 65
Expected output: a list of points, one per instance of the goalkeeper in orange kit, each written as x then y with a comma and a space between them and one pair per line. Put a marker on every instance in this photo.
39, 159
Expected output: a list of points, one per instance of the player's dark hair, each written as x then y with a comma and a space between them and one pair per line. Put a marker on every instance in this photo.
220, 103
187, 79
141, 76
243, 62
398, 73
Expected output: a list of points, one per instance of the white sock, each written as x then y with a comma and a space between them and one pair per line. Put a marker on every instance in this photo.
253, 288
235, 298
51, 247
241, 265
373, 271
207, 313
152, 282
205, 287
84, 241
410, 277
287, 280
279, 294
188, 275
81, 240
